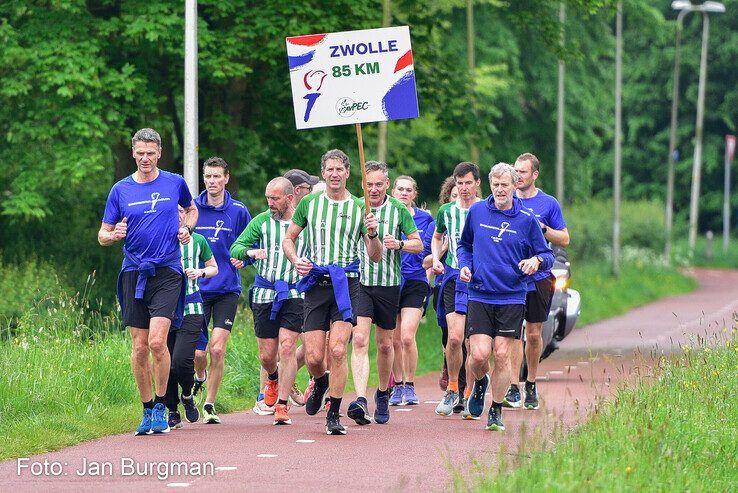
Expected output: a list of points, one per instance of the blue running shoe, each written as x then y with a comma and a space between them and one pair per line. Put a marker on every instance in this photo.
145, 427
476, 399
398, 396
381, 413
358, 412
159, 419
410, 398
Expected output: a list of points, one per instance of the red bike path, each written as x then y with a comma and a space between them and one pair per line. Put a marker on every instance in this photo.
416, 450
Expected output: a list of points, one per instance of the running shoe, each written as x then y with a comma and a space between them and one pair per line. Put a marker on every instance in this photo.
175, 421
494, 423
309, 388
271, 392
358, 411
314, 403
443, 379
398, 396
281, 416
159, 419
476, 399
209, 416
531, 396
192, 414
261, 408
465, 414
512, 398
296, 396
145, 427
381, 404
458, 408
447, 404
333, 425
409, 394
199, 384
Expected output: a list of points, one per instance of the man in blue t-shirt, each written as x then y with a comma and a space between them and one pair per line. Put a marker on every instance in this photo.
221, 220
501, 246
541, 288
142, 210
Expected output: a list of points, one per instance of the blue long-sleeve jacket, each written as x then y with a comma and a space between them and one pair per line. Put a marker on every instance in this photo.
491, 246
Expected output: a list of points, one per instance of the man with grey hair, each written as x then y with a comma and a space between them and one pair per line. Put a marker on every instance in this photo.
337, 225
142, 210
379, 293
274, 298
501, 246
541, 287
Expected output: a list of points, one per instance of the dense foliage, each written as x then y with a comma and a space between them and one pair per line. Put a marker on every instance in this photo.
80, 76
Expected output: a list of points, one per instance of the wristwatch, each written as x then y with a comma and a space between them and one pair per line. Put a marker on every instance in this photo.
189, 229
402, 244
203, 274
540, 259
371, 237
544, 229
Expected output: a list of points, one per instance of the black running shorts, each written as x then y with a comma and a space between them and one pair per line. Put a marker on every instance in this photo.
221, 308
381, 304
290, 317
414, 294
494, 320
538, 301
160, 297
320, 305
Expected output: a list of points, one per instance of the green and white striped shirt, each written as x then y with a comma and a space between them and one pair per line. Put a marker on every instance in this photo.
451, 219
394, 219
194, 254
334, 228
268, 234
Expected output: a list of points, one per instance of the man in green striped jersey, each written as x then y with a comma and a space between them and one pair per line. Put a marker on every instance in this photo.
274, 298
450, 221
336, 226
181, 342
380, 293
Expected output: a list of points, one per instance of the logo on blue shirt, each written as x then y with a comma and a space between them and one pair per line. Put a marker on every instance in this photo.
155, 197
503, 228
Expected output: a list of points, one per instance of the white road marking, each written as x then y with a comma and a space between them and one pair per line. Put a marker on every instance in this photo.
556, 372
267, 456
571, 367
403, 410
304, 441
431, 402
226, 468
583, 363
178, 485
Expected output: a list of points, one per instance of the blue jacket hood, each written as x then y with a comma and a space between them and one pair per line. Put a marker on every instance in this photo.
517, 205
202, 201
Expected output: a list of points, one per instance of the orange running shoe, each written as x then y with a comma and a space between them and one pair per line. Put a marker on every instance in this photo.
281, 416
298, 399
271, 392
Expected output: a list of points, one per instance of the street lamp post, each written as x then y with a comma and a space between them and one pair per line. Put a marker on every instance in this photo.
706, 8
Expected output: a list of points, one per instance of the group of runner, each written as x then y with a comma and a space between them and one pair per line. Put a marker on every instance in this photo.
327, 268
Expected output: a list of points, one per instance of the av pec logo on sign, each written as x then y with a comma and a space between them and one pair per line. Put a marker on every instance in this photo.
352, 77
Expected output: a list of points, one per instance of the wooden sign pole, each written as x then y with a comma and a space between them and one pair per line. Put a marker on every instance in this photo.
367, 209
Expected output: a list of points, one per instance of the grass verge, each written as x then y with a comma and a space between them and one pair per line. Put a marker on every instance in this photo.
671, 431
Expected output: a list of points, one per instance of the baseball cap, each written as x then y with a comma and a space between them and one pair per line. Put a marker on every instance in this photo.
298, 176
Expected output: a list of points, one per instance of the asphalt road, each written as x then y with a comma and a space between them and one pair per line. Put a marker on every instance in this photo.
416, 449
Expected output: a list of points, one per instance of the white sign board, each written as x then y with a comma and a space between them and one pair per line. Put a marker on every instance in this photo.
352, 77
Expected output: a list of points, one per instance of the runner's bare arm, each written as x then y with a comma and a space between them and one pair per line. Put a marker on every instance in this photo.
302, 264
110, 233
373, 245
557, 237
413, 244
210, 270
437, 252
183, 235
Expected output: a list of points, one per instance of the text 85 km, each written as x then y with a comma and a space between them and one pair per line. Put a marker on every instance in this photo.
358, 69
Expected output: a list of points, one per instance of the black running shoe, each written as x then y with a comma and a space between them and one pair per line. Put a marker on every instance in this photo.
531, 396
175, 422
192, 414
333, 424
494, 423
198, 384
512, 398
314, 403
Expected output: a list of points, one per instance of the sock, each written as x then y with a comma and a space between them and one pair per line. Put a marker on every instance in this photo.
322, 381
382, 392
467, 392
335, 404
186, 397
172, 410
453, 385
274, 376
148, 405
362, 400
409, 384
208, 404
198, 379
529, 384
497, 406
282, 402
159, 400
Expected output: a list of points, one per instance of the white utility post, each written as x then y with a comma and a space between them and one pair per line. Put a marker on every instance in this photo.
190, 98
